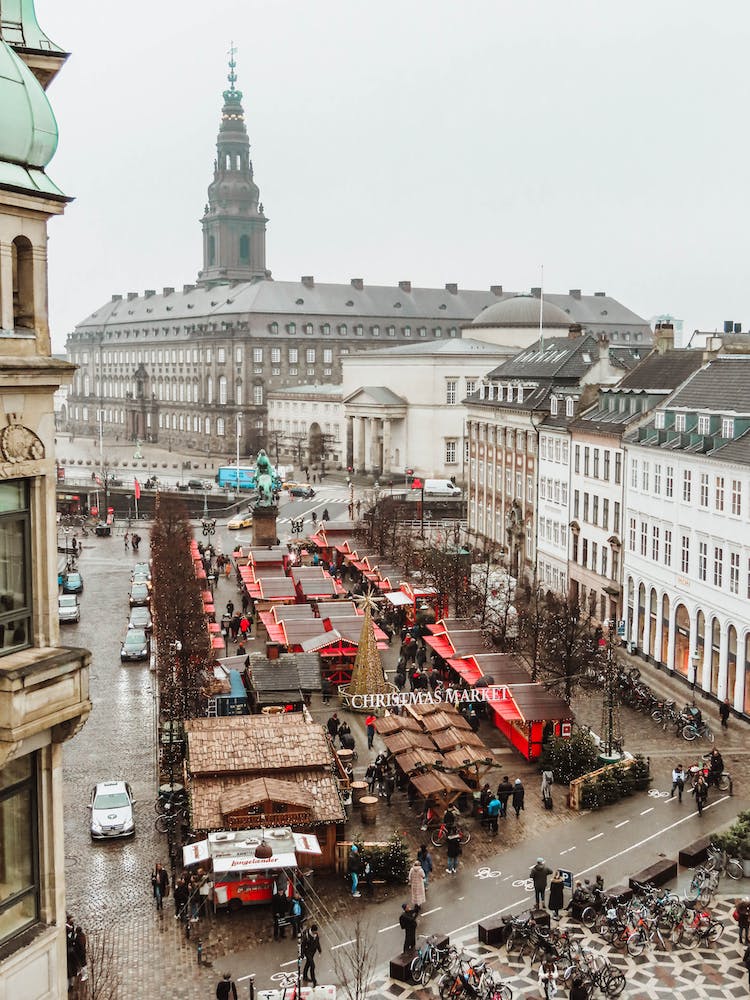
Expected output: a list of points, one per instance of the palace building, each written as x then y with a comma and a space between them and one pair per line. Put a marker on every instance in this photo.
197, 364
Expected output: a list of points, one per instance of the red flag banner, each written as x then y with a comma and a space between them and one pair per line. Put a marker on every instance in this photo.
417, 484
137, 489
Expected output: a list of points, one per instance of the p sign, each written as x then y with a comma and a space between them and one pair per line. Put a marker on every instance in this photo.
566, 728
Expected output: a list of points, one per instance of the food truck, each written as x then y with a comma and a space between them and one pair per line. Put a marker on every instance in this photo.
240, 876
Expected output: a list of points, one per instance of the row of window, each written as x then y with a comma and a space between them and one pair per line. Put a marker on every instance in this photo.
555, 578
597, 464
598, 558
165, 421
553, 532
508, 438
286, 404
175, 392
451, 390
554, 448
203, 355
595, 510
711, 566
709, 490
480, 519
358, 330
554, 490
704, 423
301, 427
510, 480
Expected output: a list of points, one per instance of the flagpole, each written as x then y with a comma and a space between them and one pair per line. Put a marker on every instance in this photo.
541, 312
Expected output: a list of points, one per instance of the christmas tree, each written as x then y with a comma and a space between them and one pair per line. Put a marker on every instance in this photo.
368, 676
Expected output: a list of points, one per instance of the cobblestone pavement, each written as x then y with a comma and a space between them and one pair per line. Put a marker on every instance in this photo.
712, 973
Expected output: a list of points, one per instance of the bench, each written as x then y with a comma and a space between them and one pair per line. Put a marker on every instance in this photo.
541, 917
400, 967
494, 931
657, 874
619, 893
695, 853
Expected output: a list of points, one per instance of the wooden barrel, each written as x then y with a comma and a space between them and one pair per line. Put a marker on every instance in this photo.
368, 804
359, 790
345, 756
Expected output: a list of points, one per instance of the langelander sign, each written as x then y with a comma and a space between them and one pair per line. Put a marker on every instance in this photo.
396, 699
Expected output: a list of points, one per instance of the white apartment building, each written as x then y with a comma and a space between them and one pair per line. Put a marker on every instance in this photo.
687, 535
306, 424
553, 498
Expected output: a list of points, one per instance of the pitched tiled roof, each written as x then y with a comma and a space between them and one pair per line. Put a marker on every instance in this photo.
723, 386
250, 793
209, 794
256, 744
557, 358
662, 372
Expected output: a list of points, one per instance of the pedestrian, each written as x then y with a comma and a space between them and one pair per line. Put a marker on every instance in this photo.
715, 767
136, 542
493, 811
326, 690
538, 875
416, 885
70, 951
333, 726
126, 540
79, 946
227, 988
724, 709
400, 680
370, 724
556, 893
159, 884
425, 859
484, 798
358, 506
310, 947
548, 977
354, 867
504, 792
408, 923
370, 777
344, 732
325, 516
230, 608
519, 793
389, 785
295, 915
279, 911
245, 603
181, 896
746, 963
743, 918
244, 626
453, 850
548, 779
700, 791
678, 781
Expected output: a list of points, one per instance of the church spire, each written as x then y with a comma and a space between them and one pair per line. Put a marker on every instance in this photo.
234, 226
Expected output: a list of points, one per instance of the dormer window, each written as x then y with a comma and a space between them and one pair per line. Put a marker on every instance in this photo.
553, 405
569, 406
679, 422
704, 424
659, 420
520, 394
727, 427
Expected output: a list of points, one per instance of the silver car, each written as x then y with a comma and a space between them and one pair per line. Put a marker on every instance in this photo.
68, 608
112, 810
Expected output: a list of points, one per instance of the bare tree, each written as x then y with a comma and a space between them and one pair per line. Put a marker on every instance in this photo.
354, 962
569, 652
103, 982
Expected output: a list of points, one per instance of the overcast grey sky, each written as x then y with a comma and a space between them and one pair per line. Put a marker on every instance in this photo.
425, 140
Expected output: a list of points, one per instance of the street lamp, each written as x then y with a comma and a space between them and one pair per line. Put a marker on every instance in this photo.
694, 663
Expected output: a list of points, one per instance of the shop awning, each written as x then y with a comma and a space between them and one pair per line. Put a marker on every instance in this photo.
506, 710
467, 669
397, 598
441, 645
218, 643
232, 864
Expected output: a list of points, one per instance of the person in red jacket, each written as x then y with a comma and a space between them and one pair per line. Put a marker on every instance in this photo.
370, 724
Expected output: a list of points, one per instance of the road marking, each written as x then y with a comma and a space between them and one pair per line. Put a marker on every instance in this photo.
567, 851
649, 810
390, 927
426, 913
335, 946
475, 921
624, 823
461, 898
596, 837
646, 840
294, 960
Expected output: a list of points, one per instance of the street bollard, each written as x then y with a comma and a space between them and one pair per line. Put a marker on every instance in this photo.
199, 949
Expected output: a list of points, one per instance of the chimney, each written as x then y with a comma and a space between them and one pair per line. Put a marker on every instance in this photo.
496, 289
728, 325
167, 291
405, 286
187, 288
574, 330
452, 287
148, 293
132, 295
663, 337
536, 292
738, 327
358, 283
600, 295
575, 293
308, 281
117, 298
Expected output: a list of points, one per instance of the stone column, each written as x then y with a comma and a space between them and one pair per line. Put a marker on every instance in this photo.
374, 444
6, 287
740, 678
360, 445
39, 292
387, 467
721, 684
671, 635
693, 664
349, 442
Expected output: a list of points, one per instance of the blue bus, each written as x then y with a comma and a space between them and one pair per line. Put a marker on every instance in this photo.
227, 477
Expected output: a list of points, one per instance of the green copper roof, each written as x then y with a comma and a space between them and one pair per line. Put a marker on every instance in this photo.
28, 130
20, 27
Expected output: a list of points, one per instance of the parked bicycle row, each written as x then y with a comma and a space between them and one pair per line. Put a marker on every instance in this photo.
687, 722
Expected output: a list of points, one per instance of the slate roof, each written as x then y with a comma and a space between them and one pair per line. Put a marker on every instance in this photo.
378, 394
255, 744
319, 391
661, 372
737, 450
428, 348
290, 672
722, 386
561, 358
523, 311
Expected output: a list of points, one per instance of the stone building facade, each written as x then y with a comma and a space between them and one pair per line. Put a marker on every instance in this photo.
43, 686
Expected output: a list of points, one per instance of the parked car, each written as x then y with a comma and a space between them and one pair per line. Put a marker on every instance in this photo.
68, 608
196, 484
140, 617
301, 490
111, 808
135, 645
143, 570
72, 583
240, 522
139, 594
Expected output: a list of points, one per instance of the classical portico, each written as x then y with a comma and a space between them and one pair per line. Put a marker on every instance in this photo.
375, 420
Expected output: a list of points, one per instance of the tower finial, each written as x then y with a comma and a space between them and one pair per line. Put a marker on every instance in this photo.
232, 76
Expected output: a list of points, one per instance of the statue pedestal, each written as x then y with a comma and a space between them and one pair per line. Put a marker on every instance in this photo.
264, 525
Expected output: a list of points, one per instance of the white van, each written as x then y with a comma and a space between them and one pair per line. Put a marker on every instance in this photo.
441, 488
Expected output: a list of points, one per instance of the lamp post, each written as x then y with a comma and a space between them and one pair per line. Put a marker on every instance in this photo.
694, 664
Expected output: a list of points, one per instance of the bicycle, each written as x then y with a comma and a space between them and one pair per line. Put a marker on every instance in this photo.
422, 969
172, 818
691, 731
440, 835
719, 860
702, 886
645, 931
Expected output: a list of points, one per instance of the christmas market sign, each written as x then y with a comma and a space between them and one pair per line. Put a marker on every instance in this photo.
396, 699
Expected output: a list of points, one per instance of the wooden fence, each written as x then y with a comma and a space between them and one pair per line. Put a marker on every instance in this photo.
344, 846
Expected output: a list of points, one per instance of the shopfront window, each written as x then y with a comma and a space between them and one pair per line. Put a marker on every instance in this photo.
15, 596
19, 884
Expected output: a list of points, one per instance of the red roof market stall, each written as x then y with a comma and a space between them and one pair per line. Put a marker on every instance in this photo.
522, 718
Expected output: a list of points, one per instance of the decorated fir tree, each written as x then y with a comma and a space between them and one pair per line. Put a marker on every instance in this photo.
368, 676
